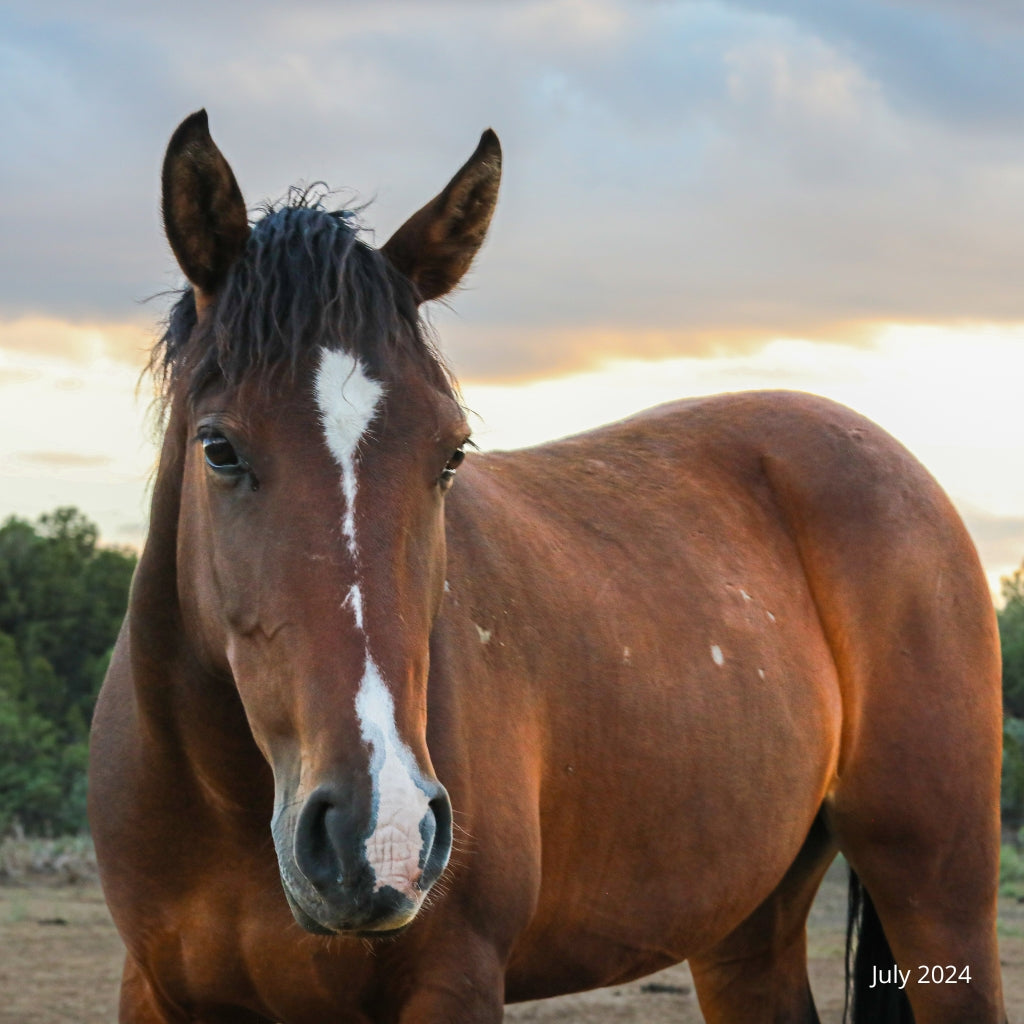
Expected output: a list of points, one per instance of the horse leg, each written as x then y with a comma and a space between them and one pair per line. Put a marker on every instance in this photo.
140, 1004
936, 901
459, 978
916, 814
759, 971
461, 1003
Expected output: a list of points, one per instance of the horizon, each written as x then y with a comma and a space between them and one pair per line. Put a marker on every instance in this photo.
697, 197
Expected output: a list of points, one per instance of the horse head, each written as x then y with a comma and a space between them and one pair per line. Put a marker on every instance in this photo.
320, 436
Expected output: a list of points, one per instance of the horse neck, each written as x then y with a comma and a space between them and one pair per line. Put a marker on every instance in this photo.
153, 611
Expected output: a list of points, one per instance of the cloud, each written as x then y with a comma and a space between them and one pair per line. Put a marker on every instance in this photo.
64, 460
16, 375
951, 61
519, 354
678, 177
77, 342
999, 539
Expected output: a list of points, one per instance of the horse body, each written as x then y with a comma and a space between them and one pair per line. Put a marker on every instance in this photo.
659, 674
668, 662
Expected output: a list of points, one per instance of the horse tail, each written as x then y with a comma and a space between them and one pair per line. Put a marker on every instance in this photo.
868, 948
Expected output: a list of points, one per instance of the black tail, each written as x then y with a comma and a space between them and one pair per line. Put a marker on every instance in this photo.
882, 1004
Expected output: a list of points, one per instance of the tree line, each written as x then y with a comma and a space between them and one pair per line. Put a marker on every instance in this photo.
1011, 637
62, 598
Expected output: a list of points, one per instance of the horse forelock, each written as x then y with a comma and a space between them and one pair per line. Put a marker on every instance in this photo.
305, 280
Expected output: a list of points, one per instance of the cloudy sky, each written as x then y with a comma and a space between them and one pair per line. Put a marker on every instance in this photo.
698, 196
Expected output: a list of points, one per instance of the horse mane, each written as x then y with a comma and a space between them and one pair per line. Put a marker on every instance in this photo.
305, 278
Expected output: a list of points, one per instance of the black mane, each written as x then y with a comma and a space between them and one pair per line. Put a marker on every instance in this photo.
304, 279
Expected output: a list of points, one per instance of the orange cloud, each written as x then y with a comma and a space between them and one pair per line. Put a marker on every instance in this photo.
77, 342
65, 460
517, 355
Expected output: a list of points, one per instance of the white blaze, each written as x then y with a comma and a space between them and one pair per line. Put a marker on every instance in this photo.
355, 602
393, 849
348, 400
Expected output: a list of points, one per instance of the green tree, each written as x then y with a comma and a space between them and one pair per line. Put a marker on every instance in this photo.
62, 598
32, 786
1012, 799
1011, 636
12, 675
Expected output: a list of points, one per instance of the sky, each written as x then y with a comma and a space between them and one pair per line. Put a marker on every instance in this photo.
697, 197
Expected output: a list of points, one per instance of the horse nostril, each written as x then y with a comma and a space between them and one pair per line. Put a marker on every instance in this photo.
326, 848
437, 839
314, 853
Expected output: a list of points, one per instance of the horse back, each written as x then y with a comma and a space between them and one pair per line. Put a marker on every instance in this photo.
808, 495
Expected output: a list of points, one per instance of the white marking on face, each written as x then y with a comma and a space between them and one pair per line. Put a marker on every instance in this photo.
716, 655
745, 596
771, 617
760, 672
484, 634
355, 601
400, 804
347, 398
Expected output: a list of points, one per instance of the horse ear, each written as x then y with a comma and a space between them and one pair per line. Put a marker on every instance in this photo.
436, 245
204, 213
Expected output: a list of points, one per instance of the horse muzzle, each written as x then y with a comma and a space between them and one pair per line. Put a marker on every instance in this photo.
346, 872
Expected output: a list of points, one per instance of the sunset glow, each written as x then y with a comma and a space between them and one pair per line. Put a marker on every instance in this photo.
697, 197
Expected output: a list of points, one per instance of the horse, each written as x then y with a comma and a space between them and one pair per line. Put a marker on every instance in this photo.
396, 731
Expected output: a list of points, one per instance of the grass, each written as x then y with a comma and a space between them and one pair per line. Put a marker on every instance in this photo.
16, 912
67, 859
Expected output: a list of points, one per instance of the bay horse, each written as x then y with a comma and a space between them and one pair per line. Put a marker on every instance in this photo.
396, 733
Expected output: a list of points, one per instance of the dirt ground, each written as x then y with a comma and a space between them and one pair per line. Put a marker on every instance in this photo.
60, 962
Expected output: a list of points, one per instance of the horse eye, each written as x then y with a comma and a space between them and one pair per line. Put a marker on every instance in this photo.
448, 473
220, 455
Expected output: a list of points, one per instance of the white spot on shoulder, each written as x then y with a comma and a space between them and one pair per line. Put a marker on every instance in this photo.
745, 596
760, 672
771, 618
716, 655
627, 656
484, 634
347, 398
